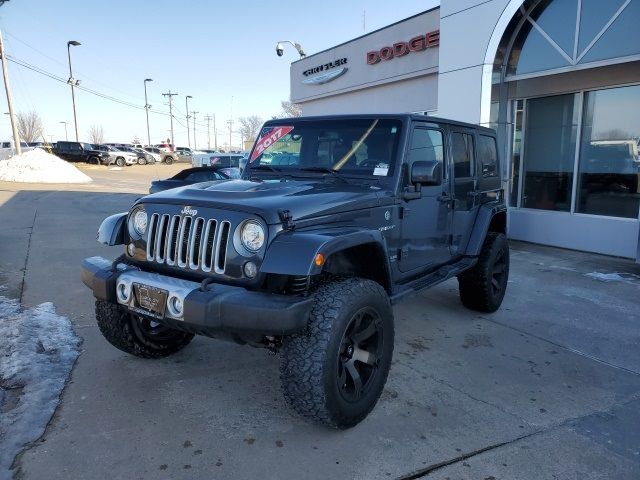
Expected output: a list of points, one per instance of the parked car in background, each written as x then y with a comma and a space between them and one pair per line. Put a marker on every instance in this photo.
7, 149
190, 176
119, 157
143, 157
156, 153
162, 155
216, 159
80, 152
166, 147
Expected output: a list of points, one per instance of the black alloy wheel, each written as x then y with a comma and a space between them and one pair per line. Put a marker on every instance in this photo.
360, 352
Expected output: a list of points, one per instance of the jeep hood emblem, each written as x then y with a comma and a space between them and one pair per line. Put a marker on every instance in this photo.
189, 211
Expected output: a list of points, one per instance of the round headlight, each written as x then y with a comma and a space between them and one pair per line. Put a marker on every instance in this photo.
140, 222
252, 236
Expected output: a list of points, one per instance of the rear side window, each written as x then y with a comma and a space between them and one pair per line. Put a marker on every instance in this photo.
462, 153
488, 156
426, 144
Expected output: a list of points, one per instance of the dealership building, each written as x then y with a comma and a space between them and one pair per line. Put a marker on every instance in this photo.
558, 79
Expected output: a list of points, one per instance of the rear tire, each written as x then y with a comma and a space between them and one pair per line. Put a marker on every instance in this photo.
334, 371
168, 160
137, 335
482, 287
120, 162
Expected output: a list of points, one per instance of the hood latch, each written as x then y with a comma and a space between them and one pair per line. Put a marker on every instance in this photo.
287, 219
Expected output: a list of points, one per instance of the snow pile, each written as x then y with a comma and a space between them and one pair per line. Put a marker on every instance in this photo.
614, 277
38, 166
37, 351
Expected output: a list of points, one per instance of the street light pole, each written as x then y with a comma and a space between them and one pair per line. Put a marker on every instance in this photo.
66, 136
194, 130
73, 83
7, 87
186, 104
146, 109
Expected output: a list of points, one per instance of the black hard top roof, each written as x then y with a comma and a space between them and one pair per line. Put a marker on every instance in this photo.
405, 117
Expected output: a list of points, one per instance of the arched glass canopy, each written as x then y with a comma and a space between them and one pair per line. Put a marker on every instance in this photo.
568, 34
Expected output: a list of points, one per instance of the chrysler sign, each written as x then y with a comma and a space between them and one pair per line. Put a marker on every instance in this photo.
400, 49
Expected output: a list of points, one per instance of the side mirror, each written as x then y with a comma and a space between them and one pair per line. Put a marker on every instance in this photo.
426, 172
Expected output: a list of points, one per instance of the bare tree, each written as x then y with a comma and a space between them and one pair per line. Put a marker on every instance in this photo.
249, 127
29, 126
136, 140
96, 134
290, 109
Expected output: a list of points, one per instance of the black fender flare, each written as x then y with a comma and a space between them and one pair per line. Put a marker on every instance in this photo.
111, 231
294, 253
485, 215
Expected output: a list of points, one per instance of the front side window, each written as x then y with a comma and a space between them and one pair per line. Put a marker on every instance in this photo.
359, 147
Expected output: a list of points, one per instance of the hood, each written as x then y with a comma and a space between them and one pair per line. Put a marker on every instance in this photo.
303, 198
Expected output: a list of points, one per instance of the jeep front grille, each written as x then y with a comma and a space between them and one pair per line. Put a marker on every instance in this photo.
188, 242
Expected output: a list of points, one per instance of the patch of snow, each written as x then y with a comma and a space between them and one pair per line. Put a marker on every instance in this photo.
38, 166
116, 168
614, 277
37, 351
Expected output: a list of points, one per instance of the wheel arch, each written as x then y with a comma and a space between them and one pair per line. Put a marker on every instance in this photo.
354, 253
490, 218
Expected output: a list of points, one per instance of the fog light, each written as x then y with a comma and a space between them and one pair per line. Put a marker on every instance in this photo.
123, 292
250, 269
131, 249
176, 306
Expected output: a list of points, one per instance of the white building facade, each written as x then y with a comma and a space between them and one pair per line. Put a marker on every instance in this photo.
558, 79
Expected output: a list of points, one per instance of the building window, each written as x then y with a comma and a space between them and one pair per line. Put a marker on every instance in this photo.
609, 161
561, 34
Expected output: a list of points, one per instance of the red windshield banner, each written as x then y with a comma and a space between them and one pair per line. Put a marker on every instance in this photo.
269, 139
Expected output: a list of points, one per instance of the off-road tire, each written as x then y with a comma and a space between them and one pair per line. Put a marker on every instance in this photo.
482, 287
309, 371
118, 327
120, 162
168, 160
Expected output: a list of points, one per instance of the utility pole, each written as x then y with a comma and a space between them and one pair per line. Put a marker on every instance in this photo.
208, 119
215, 134
186, 104
194, 130
170, 96
230, 122
7, 87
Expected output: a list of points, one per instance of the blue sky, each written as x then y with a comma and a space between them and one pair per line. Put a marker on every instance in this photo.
223, 54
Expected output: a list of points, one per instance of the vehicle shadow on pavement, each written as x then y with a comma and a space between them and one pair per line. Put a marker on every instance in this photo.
527, 392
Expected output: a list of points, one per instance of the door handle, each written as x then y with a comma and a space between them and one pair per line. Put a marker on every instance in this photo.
444, 198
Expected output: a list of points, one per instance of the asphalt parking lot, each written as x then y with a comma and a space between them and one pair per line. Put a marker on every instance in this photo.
548, 387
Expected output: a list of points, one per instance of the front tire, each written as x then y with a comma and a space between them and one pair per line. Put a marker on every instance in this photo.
334, 371
168, 160
482, 287
120, 162
138, 335
93, 160
142, 161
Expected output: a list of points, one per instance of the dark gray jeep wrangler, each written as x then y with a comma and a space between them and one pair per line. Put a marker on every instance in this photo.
335, 219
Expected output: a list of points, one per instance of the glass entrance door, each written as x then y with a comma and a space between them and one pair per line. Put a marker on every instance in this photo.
550, 152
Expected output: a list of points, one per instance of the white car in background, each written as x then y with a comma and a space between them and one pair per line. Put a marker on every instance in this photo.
119, 157
217, 159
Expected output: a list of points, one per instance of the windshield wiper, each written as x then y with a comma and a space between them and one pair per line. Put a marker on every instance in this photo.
331, 171
265, 167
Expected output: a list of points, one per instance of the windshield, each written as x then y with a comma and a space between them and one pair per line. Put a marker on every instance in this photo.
357, 147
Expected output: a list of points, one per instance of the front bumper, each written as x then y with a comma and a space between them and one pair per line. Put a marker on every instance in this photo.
222, 309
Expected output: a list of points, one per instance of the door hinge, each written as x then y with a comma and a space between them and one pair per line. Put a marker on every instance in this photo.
404, 212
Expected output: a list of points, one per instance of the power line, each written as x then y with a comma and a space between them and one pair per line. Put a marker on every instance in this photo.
52, 76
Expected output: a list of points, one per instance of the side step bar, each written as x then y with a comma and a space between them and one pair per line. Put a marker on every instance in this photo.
443, 274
